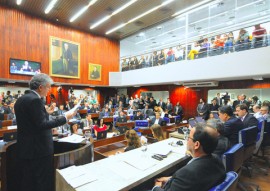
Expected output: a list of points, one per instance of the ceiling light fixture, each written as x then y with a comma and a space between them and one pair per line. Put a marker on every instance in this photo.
140, 16
191, 8
50, 6
19, 2
114, 13
82, 11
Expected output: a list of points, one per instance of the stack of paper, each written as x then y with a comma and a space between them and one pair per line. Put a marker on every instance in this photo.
12, 127
72, 139
77, 176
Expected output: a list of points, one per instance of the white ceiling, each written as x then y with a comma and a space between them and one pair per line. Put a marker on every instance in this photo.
218, 17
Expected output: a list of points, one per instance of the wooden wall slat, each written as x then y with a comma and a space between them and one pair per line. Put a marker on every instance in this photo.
26, 37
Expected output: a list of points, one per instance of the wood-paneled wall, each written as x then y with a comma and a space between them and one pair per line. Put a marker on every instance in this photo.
189, 97
26, 37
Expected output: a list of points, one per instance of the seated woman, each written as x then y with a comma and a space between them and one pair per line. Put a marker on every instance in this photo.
75, 129
99, 127
194, 51
157, 132
133, 140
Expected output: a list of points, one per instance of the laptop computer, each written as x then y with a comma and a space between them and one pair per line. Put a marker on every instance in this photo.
163, 123
102, 135
199, 119
177, 121
192, 122
55, 113
7, 137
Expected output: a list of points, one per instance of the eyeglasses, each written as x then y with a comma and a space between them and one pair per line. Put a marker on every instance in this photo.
192, 139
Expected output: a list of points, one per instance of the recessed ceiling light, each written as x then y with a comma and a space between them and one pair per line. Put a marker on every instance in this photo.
114, 13
50, 6
159, 27
19, 2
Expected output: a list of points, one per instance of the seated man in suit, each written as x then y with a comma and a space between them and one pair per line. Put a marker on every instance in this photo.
61, 110
138, 115
156, 120
248, 120
104, 114
88, 122
232, 125
203, 171
118, 111
94, 109
257, 112
122, 119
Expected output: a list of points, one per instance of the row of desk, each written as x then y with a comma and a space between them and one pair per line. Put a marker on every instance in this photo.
130, 170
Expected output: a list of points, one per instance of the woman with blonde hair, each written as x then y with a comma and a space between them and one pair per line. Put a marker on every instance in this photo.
157, 132
133, 140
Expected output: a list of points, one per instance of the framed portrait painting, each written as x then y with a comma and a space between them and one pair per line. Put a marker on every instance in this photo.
95, 72
64, 58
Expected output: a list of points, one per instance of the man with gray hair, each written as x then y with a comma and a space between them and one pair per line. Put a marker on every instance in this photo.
35, 143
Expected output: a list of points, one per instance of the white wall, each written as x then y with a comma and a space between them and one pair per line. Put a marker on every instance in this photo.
239, 65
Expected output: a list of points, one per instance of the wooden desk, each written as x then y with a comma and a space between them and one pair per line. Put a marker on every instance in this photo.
105, 145
115, 173
6, 130
129, 124
94, 115
177, 135
107, 119
167, 129
111, 149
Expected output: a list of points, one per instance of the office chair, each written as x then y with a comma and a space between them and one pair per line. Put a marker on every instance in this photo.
248, 137
229, 184
266, 142
259, 141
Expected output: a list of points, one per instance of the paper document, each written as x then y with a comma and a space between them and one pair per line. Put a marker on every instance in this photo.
72, 139
141, 165
121, 168
77, 176
12, 127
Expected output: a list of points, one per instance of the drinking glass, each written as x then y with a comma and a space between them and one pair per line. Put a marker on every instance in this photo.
185, 130
87, 135
144, 149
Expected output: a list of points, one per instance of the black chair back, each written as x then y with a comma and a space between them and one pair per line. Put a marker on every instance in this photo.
234, 158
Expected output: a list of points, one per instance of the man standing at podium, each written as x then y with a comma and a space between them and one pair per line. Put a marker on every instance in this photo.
35, 143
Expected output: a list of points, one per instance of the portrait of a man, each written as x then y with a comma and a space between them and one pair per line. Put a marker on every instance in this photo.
94, 72
64, 58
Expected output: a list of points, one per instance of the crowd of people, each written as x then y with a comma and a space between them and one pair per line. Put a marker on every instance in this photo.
210, 46
223, 120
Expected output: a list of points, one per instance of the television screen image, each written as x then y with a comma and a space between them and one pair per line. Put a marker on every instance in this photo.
24, 67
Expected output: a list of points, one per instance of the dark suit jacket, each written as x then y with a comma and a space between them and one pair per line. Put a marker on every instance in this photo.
231, 129
153, 121
250, 121
179, 111
122, 119
34, 127
203, 109
200, 175
136, 117
162, 105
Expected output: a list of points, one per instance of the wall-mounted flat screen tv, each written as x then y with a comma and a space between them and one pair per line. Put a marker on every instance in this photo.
24, 67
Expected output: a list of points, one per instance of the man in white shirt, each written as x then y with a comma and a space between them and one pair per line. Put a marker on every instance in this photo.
257, 112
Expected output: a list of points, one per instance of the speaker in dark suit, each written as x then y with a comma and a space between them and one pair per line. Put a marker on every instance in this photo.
34, 141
